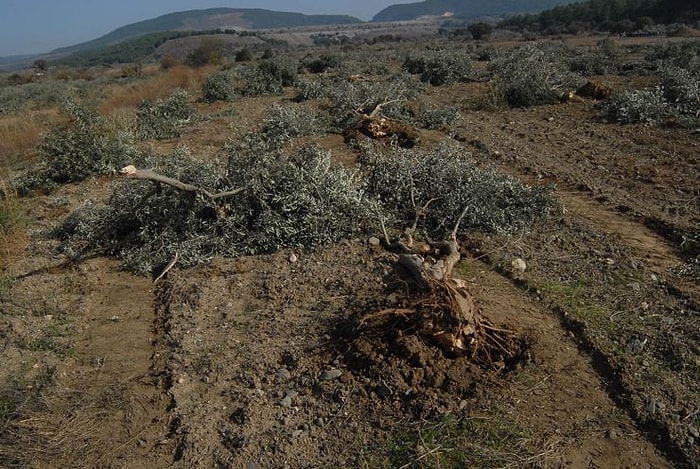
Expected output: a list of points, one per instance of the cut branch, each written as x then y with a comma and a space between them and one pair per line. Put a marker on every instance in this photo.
147, 174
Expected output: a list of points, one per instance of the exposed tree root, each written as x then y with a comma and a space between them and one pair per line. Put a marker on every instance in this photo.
440, 308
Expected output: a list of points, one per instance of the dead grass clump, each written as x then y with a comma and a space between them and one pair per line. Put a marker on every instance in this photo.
44, 426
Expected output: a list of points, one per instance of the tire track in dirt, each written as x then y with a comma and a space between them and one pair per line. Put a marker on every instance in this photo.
89, 326
657, 253
656, 257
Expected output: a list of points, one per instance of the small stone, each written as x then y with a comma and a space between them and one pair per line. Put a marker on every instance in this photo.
651, 406
293, 258
287, 399
612, 435
283, 374
374, 241
636, 346
518, 265
634, 286
644, 306
328, 375
319, 422
693, 431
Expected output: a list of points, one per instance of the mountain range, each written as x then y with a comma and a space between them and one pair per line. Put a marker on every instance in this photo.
210, 19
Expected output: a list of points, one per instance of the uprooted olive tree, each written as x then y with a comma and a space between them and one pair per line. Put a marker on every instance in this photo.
270, 195
443, 195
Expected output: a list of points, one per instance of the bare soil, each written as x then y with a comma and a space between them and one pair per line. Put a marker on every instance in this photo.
276, 360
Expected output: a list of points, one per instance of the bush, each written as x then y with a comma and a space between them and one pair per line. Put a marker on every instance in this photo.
287, 122
440, 118
218, 87
440, 67
294, 201
637, 106
162, 119
89, 145
321, 64
531, 76
447, 180
210, 51
346, 99
681, 89
269, 77
244, 55
14, 99
480, 31
169, 61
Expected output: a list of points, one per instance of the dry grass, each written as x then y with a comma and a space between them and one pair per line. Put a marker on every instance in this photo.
20, 134
12, 234
157, 84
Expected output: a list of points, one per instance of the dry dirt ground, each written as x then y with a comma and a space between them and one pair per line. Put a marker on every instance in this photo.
268, 361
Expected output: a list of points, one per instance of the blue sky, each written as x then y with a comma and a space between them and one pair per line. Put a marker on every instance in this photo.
37, 26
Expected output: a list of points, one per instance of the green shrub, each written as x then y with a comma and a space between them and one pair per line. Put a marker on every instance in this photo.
218, 87
244, 55
310, 89
14, 99
288, 201
162, 119
636, 106
321, 64
681, 88
531, 75
269, 77
346, 99
440, 67
89, 145
440, 118
447, 180
290, 121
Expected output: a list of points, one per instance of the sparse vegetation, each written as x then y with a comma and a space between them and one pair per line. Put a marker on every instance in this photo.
265, 232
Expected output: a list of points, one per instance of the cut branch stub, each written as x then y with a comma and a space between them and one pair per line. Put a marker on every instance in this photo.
149, 175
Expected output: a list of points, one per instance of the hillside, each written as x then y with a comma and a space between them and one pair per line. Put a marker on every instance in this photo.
209, 19
602, 15
464, 9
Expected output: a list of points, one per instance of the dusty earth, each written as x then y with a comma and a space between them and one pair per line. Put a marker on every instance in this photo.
277, 360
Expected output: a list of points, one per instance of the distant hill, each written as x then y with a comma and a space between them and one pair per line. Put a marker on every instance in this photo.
464, 9
209, 19
607, 15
